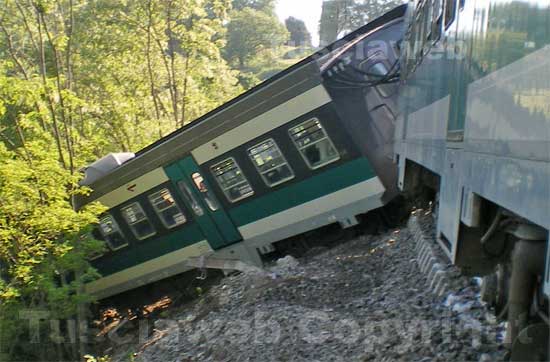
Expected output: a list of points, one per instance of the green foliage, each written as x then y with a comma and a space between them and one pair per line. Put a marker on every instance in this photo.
80, 79
251, 32
90, 358
340, 17
266, 6
299, 35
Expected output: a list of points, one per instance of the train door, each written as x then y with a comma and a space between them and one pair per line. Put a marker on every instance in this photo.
209, 213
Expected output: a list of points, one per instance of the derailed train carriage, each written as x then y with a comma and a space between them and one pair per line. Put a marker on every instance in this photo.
475, 129
307, 148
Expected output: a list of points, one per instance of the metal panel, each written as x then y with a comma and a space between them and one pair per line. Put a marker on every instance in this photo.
471, 208
431, 156
449, 202
134, 188
263, 123
547, 279
519, 185
429, 122
508, 110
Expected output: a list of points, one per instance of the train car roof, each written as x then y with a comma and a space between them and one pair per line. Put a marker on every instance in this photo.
259, 99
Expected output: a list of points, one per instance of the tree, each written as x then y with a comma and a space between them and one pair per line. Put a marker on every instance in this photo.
266, 6
340, 17
43, 241
299, 35
79, 79
250, 32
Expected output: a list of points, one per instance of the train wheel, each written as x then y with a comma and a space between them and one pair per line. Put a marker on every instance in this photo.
494, 290
489, 289
503, 285
531, 344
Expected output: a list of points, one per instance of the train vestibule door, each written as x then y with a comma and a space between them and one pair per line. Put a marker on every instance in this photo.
207, 210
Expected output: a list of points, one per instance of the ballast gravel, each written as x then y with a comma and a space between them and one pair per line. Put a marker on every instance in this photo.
364, 300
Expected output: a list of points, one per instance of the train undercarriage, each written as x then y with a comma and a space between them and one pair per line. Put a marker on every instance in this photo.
507, 251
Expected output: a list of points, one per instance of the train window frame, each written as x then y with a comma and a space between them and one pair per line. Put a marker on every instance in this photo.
160, 212
419, 33
263, 173
449, 20
207, 196
106, 235
428, 16
302, 148
437, 20
410, 52
225, 189
131, 224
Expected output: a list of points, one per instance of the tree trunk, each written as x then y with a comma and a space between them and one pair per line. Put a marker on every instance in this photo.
42, 63
150, 66
58, 70
185, 86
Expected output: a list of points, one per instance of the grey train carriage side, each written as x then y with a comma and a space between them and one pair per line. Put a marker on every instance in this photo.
474, 124
275, 162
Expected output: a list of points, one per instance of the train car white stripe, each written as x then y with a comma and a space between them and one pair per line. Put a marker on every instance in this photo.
363, 190
276, 117
148, 272
134, 188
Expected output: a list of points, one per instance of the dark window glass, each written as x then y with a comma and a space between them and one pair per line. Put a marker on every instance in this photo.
420, 34
450, 12
190, 198
270, 163
428, 18
437, 19
110, 231
137, 221
314, 144
232, 181
208, 197
166, 208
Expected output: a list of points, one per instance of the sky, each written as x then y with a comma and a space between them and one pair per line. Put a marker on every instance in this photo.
307, 10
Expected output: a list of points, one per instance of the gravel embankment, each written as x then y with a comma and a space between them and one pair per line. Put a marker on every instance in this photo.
364, 300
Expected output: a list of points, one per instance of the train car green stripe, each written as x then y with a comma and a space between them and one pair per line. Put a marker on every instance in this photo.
322, 184
149, 249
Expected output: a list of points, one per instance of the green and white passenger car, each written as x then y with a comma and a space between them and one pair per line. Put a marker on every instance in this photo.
284, 158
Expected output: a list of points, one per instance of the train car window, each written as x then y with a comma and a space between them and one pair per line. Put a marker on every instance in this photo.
232, 181
450, 12
166, 208
137, 221
111, 232
270, 163
314, 144
207, 195
190, 198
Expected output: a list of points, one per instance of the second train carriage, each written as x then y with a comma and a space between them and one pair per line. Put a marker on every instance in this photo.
284, 158
475, 127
